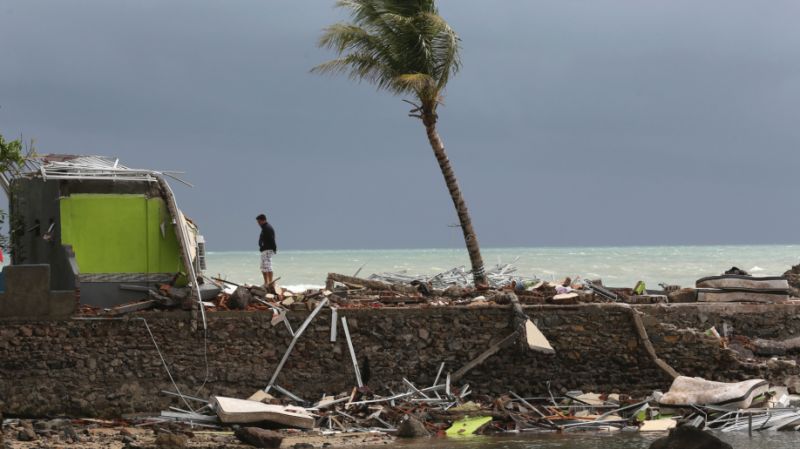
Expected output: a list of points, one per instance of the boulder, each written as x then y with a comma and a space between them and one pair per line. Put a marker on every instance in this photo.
258, 437
26, 432
166, 440
412, 427
69, 434
793, 276
240, 298
688, 437
793, 384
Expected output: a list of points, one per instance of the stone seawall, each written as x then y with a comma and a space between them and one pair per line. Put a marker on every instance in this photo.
109, 368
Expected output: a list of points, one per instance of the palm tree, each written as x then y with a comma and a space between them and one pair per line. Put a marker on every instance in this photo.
406, 48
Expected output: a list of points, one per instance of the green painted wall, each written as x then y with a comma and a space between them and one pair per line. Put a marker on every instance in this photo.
120, 234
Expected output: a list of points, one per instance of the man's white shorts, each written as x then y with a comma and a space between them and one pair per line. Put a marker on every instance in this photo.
266, 261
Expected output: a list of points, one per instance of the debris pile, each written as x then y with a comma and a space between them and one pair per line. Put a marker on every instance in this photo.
445, 409
451, 288
441, 409
752, 405
499, 276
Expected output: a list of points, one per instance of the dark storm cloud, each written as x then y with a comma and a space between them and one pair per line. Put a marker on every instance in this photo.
603, 122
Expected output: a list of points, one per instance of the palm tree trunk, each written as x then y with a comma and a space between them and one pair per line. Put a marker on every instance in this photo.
473, 248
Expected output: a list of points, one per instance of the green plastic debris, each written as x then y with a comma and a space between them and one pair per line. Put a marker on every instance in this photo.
468, 425
640, 288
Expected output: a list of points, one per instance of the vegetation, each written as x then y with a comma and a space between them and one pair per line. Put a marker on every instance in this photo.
405, 47
11, 154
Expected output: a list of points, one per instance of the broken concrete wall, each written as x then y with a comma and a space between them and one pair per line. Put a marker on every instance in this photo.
771, 321
108, 368
34, 208
28, 295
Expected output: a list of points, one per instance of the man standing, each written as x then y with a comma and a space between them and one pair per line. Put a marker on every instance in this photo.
266, 244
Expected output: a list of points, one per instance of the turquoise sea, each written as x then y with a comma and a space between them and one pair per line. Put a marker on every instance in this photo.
616, 266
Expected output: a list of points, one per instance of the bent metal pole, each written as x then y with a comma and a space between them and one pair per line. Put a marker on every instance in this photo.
294, 340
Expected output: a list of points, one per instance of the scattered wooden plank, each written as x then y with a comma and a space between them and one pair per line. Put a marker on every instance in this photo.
132, 307
492, 350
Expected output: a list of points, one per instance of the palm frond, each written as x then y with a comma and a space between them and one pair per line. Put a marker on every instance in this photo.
419, 83
403, 46
360, 67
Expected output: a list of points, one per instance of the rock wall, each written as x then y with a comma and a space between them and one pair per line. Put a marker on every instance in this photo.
110, 368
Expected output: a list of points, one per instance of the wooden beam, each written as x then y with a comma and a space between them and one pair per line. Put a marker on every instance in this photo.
493, 349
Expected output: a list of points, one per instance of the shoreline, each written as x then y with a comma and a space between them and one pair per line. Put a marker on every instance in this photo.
88, 434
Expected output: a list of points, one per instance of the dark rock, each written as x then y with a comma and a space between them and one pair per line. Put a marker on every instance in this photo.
240, 298
26, 434
793, 276
257, 437
737, 271
69, 433
422, 287
127, 439
741, 350
793, 384
412, 427
303, 446
688, 437
171, 441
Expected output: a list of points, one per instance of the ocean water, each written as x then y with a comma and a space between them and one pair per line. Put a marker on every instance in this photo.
616, 266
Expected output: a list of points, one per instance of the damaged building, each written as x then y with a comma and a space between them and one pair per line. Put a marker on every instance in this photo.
103, 233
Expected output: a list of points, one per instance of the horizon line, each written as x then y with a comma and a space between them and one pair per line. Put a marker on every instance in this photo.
683, 245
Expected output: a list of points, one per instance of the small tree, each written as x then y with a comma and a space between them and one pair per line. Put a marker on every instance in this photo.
11, 154
406, 48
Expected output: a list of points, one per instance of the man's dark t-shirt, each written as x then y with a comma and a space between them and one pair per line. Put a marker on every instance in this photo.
266, 240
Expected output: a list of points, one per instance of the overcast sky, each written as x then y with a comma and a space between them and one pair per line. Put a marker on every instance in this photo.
572, 122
